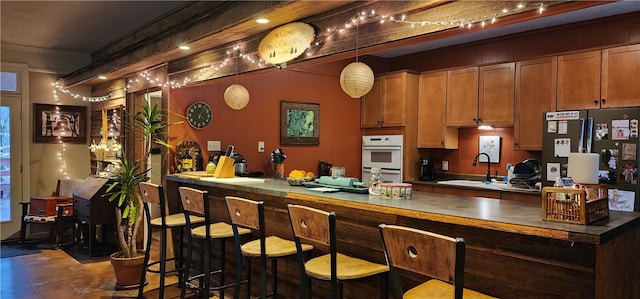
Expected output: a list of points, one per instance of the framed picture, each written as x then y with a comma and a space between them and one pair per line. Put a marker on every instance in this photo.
54, 123
299, 123
489, 145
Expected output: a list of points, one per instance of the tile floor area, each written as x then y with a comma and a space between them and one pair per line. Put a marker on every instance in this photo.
56, 274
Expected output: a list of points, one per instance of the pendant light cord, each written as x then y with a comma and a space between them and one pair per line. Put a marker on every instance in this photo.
236, 67
357, 37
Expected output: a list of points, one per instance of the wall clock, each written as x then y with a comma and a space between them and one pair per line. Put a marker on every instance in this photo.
199, 115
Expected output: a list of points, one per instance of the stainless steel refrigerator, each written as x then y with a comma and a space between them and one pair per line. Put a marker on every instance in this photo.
611, 133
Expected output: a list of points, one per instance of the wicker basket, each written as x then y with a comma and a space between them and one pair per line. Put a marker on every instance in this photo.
580, 206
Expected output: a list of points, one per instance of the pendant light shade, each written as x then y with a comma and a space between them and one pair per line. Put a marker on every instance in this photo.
356, 79
236, 96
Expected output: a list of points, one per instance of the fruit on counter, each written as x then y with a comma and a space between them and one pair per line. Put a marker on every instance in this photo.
297, 174
310, 175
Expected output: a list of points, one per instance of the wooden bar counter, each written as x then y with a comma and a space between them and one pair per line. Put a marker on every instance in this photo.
511, 252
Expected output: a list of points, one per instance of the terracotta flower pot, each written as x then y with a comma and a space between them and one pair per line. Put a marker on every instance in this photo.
127, 271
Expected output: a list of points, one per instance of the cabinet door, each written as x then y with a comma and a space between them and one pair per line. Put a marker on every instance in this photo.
393, 100
496, 94
370, 106
462, 97
535, 94
432, 105
579, 81
621, 77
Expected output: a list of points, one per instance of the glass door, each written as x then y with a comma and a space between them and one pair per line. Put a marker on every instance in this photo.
10, 160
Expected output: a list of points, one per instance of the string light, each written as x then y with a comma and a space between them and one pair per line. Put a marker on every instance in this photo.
209, 71
61, 88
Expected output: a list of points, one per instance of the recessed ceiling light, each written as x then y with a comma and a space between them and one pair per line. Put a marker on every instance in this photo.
102, 77
262, 21
184, 47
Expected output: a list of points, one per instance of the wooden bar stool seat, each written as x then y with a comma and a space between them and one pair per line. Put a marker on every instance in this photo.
245, 213
439, 289
218, 230
347, 267
275, 247
320, 227
175, 220
437, 256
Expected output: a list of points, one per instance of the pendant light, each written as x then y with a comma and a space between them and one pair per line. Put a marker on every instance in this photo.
356, 79
236, 96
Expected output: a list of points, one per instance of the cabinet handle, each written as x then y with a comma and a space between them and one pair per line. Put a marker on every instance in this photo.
595, 102
603, 101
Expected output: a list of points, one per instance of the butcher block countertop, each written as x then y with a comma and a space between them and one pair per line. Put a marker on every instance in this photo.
486, 213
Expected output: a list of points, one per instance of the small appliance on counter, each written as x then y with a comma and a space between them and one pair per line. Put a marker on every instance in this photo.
427, 169
324, 168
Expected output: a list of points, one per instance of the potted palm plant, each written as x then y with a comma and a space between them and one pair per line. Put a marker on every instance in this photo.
125, 193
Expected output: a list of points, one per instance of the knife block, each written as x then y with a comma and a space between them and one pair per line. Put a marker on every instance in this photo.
225, 168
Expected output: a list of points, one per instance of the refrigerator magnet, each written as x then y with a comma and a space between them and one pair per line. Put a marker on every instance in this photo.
552, 126
562, 127
553, 171
620, 129
562, 147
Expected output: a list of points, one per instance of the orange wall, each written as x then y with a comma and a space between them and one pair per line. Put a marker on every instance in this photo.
461, 160
340, 137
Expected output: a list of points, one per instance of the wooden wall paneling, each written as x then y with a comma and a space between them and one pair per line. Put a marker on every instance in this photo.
618, 256
604, 32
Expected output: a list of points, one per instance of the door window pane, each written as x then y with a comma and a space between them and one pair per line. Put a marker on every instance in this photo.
5, 164
8, 81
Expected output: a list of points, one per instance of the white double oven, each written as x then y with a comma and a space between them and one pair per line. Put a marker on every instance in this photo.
384, 152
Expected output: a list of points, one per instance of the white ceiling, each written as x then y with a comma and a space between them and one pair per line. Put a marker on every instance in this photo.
76, 26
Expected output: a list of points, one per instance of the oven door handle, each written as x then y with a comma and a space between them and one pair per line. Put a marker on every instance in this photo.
384, 170
381, 148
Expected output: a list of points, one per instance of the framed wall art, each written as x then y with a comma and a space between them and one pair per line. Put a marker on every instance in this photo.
299, 123
54, 123
491, 146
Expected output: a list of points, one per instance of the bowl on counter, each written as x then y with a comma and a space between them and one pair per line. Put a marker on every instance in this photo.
396, 190
298, 181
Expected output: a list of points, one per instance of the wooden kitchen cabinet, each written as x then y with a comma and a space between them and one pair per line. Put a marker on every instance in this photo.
462, 97
621, 77
432, 104
536, 81
496, 94
579, 81
386, 104
483, 95
370, 106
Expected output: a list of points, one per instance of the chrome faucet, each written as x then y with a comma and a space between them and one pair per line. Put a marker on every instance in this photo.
475, 162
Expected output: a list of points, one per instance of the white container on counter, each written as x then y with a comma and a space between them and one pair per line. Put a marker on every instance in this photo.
396, 190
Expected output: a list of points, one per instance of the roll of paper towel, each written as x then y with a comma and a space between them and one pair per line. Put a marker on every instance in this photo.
583, 167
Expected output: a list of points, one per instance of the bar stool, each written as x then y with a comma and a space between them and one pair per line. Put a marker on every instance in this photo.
196, 203
153, 194
320, 226
250, 214
429, 254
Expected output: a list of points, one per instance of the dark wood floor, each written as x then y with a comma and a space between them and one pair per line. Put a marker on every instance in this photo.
53, 274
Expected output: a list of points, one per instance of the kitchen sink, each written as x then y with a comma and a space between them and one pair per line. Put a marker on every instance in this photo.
485, 185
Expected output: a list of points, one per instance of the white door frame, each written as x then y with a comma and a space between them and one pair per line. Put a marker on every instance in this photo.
12, 228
